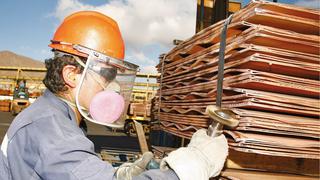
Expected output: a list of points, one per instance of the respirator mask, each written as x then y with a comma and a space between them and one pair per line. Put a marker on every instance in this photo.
115, 79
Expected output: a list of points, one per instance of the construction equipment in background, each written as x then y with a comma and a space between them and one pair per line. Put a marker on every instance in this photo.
212, 11
139, 109
20, 99
5, 105
13, 69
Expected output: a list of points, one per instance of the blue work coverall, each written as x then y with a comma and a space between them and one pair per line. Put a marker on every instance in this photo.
45, 142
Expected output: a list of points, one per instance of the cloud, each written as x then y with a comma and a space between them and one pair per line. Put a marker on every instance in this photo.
147, 64
140, 58
149, 70
142, 22
314, 4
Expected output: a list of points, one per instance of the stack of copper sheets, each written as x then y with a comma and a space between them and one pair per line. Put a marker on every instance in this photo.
271, 81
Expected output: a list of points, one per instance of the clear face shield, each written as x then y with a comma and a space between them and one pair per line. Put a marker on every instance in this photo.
103, 94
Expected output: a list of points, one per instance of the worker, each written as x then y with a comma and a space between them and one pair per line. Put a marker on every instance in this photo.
88, 77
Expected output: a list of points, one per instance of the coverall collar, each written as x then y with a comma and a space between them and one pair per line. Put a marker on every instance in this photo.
61, 105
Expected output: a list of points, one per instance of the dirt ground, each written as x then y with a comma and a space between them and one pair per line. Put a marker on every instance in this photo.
5, 121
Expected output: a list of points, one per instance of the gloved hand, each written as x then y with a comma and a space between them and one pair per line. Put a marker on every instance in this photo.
204, 157
128, 170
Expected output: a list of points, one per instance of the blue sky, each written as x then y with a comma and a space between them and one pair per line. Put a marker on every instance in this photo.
149, 26
26, 27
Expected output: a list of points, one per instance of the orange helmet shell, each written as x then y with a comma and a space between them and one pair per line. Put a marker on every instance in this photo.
92, 30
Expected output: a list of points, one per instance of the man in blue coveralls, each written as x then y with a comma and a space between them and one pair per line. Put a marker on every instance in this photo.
87, 77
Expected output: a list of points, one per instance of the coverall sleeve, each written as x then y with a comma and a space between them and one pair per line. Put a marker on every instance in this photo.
69, 161
65, 153
4, 172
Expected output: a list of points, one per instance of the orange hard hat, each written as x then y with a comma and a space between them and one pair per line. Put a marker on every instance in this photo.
92, 30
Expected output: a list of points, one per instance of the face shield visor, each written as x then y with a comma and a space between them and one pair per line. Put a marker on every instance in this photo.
104, 91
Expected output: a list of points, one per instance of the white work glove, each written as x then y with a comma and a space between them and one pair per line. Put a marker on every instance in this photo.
128, 170
203, 158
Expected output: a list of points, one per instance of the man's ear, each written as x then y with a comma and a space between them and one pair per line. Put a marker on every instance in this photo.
69, 73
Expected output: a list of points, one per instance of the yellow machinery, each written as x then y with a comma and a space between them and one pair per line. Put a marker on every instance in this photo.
13, 83
212, 11
20, 98
140, 105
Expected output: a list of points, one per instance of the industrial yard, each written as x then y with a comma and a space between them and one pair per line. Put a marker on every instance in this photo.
249, 74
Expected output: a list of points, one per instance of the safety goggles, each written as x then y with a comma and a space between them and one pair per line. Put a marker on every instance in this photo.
108, 74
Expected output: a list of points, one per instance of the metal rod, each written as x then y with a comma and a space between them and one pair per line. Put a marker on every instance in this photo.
215, 129
221, 61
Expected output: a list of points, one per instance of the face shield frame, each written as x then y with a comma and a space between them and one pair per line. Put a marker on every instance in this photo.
120, 65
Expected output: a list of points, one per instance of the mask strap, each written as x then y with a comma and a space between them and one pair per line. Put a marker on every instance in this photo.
79, 61
72, 104
79, 87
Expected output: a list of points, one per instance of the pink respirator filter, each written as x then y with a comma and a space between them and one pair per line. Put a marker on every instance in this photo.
106, 106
